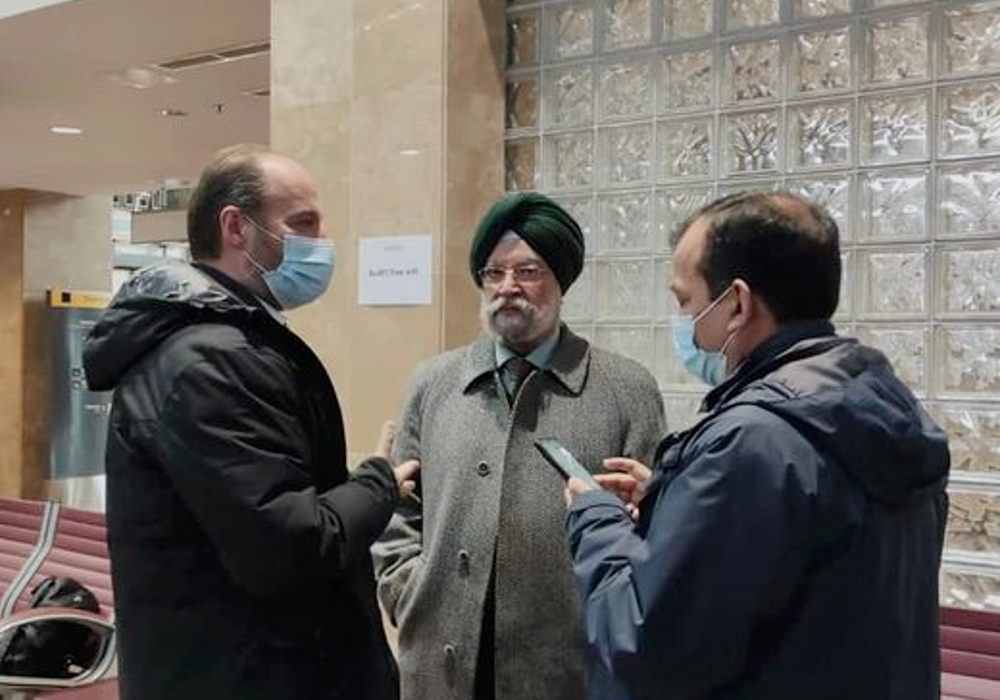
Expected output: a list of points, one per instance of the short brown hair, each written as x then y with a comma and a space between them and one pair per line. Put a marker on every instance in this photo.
233, 177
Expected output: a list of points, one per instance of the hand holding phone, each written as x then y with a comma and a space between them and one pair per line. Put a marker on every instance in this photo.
564, 462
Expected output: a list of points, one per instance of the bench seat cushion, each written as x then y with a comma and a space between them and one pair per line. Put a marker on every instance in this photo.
958, 687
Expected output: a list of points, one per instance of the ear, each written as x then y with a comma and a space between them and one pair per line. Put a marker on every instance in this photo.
745, 306
231, 227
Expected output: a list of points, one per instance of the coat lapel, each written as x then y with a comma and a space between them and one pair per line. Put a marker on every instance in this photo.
570, 361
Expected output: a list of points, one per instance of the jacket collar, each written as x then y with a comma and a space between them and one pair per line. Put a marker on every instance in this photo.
569, 362
240, 291
788, 344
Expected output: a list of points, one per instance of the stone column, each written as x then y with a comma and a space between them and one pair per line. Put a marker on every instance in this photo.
11, 341
397, 107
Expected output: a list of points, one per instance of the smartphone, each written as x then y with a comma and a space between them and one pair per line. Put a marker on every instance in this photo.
564, 461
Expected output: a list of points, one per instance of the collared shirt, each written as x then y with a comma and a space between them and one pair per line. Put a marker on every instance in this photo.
539, 357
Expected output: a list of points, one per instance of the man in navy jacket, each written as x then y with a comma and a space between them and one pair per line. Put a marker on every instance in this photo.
787, 546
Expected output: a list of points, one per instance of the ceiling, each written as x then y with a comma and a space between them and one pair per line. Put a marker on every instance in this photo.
63, 65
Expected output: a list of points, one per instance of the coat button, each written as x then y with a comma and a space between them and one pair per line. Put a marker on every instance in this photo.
483, 469
463, 562
450, 665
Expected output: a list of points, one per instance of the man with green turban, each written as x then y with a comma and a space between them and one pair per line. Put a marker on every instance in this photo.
542, 224
477, 575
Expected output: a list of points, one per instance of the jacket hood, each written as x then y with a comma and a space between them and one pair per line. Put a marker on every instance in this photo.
151, 306
846, 399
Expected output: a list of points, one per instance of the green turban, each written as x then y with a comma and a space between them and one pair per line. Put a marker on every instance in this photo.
542, 224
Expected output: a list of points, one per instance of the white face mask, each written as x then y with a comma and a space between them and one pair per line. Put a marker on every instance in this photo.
304, 272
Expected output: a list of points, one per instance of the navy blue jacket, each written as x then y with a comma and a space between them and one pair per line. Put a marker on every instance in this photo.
788, 545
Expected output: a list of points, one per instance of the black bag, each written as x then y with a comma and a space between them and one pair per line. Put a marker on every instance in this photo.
54, 648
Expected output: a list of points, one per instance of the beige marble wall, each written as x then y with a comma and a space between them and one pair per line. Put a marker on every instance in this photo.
11, 340
474, 130
67, 243
397, 108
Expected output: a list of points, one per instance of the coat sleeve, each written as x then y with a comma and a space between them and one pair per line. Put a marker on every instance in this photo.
640, 406
672, 613
397, 553
231, 440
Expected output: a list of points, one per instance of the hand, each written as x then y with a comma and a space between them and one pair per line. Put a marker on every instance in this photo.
574, 487
386, 437
405, 480
629, 483
405, 472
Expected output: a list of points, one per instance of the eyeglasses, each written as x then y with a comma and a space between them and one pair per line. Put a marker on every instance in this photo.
523, 274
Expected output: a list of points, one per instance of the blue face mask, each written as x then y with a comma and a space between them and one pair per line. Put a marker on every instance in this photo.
708, 365
305, 270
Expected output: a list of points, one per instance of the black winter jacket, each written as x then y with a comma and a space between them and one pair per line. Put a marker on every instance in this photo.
788, 544
239, 543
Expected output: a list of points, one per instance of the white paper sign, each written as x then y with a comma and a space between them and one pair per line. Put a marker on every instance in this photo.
394, 271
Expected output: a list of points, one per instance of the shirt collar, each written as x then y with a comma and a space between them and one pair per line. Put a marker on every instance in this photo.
539, 357
568, 363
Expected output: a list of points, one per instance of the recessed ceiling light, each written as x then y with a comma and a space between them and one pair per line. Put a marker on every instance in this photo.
140, 78
221, 55
170, 112
410, 151
66, 130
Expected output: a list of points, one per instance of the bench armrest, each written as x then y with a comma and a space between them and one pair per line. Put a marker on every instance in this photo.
95, 622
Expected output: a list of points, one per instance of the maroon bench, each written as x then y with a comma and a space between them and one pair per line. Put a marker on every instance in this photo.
42, 539
102, 690
970, 654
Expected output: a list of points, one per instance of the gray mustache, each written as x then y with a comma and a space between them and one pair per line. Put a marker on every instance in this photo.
519, 303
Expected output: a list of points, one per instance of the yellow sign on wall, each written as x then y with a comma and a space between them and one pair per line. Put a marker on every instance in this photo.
66, 299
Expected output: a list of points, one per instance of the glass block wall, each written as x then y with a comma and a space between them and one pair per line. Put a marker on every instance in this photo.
633, 113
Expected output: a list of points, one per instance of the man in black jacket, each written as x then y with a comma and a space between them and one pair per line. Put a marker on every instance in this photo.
239, 543
788, 545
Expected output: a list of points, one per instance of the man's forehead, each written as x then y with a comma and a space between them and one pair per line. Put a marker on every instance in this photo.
283, 172
288, 185
692, 239
688, 252
511, 244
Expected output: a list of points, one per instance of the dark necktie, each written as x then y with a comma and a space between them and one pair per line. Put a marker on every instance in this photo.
517, 370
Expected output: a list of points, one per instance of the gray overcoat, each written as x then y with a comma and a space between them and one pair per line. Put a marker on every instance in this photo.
488, 496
